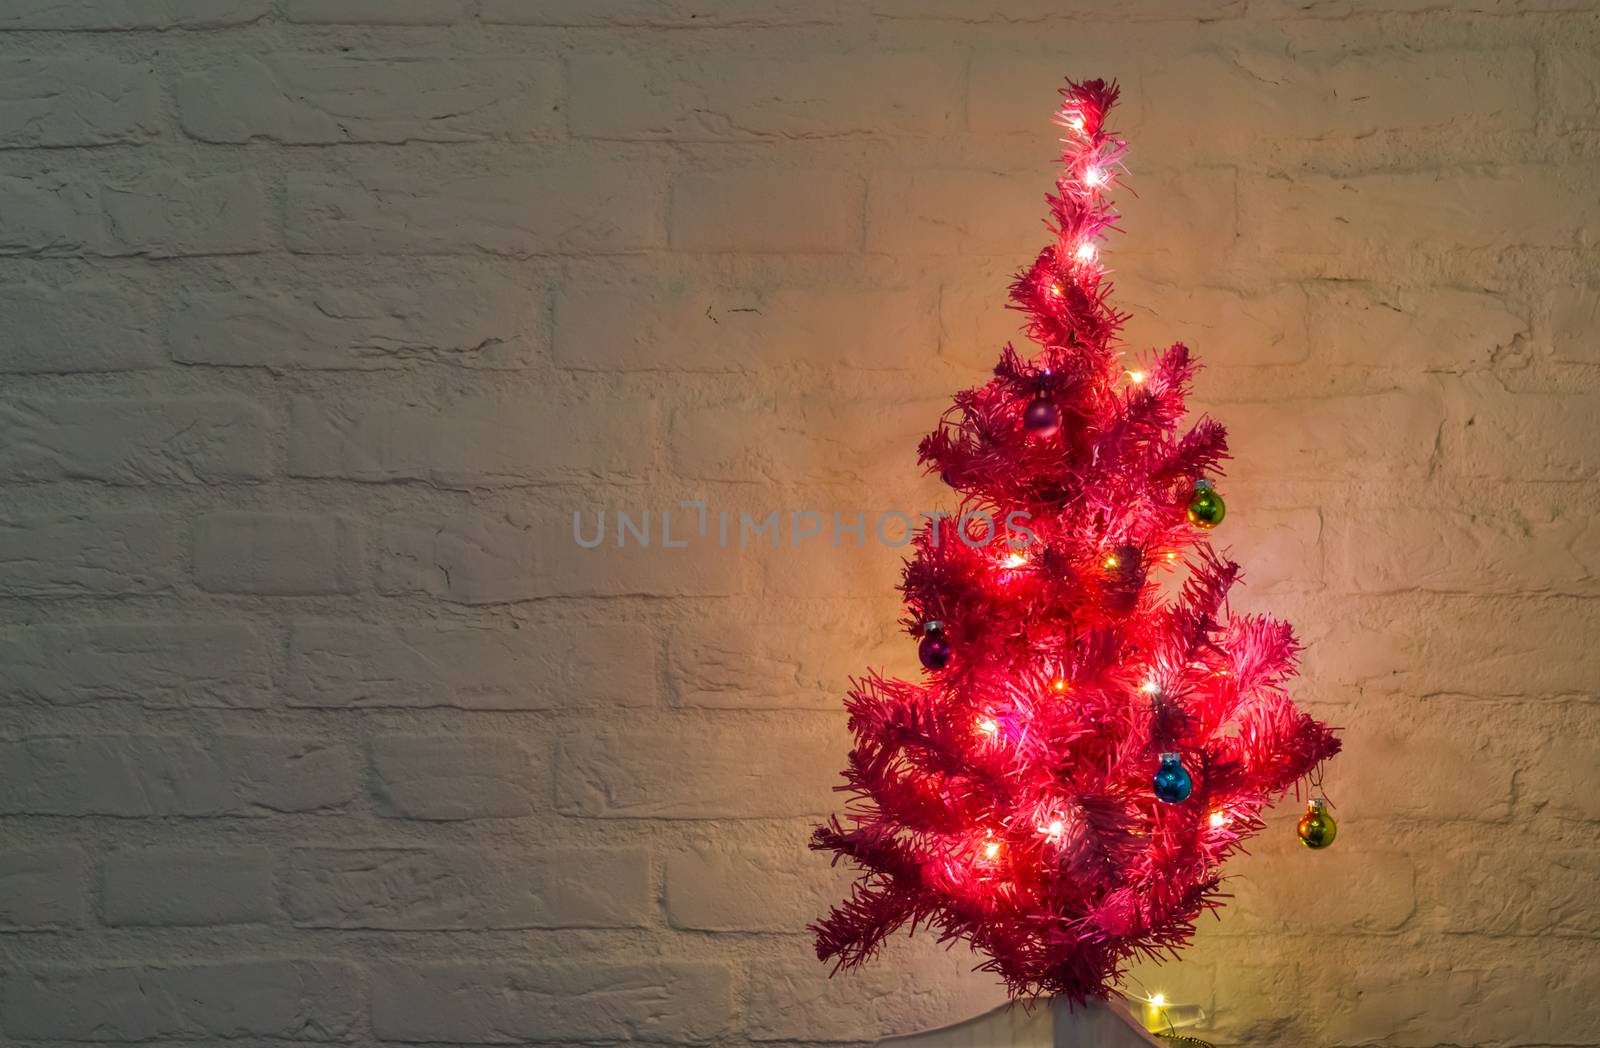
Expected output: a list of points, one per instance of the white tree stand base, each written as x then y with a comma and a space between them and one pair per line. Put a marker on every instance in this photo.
1097, 1024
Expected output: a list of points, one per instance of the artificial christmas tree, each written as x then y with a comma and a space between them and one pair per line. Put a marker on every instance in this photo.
1087, 746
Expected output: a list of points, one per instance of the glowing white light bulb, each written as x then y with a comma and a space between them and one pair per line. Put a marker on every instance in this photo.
991, 849
1086, 252
1015, 560
1075, 121
1158, 1000
1095, 176
1218, 820
1136, 377
1055, 828
1149, 687
988, 725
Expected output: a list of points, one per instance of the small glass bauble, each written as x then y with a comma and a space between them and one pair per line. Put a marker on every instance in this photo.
1316, 827
935, 650
1041, 417
1206, 508
1172, 783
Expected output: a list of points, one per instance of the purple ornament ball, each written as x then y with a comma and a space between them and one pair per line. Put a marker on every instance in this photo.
935, 651
1041, 417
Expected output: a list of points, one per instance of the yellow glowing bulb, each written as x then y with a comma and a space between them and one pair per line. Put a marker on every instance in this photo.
1112, 561
1059, 686
1158, 1000
1056, 290
1086, 252
1015, 560
1218, 820
988, 726
991, 849
1136, 377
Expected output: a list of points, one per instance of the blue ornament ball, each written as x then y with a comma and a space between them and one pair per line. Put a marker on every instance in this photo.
1172, 783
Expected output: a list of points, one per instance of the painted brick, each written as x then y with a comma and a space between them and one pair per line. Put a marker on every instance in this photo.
794, 999
275, 554
766, 211
131, 14
90, 554
1225, 328
618, 210
1178, 224
814, 439
1423, 329
478, 559
298, 99
1330, 215
535, 667
81, 326
686, 326
376, 12
643, 774
1413, 1003
478, 441
154, 775
1011, 91
1382, 434
168, 214
1408, 761
1557, 779
1527, 890
1402, 549
682, 14
622, 97
448, 778
44, 216
162, 887
1574, 87
1454, 645
169, 664
279, 774
42, 888
718, 886
163, 214
46, 102
957, 212
408, 889
1257, 92
133, 442
485, 323
1510, 436
658, 1000
1376, 888
1575, 324
745, 661
303, 1000
966, 13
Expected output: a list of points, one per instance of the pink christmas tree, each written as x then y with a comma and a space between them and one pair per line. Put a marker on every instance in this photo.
1096, 733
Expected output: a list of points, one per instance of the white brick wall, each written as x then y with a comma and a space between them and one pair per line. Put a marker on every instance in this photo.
319, 318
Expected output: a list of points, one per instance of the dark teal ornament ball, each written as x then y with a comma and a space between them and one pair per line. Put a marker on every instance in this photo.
1172, 783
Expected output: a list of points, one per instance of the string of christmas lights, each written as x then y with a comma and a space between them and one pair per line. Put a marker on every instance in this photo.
1084, 752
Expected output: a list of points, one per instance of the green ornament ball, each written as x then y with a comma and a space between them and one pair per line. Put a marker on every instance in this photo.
1316, 828
1206, 508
